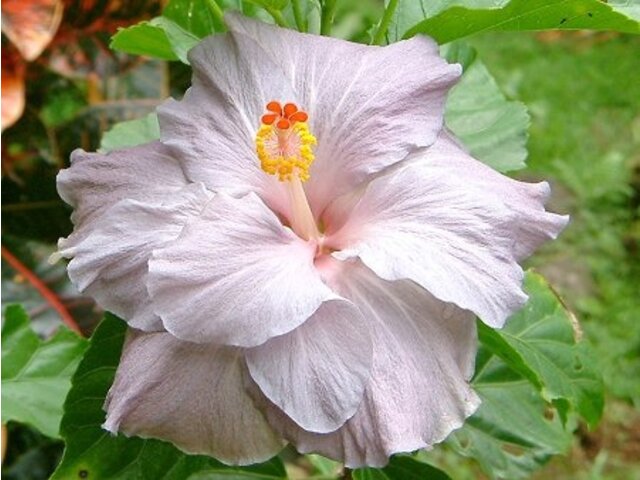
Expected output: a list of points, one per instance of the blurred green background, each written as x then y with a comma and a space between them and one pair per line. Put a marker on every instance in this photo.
582, 90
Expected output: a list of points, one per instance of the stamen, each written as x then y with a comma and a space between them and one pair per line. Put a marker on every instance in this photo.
284, 142
284, 146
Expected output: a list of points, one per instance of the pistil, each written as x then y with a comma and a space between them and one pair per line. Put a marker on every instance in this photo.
302, 220
284, 147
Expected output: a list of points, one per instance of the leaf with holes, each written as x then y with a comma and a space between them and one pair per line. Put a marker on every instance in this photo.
529, 375
36, 374
514, 432
539, 342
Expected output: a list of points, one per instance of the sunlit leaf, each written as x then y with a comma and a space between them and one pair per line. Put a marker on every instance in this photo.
448, 20
410, 12
144, 39
493, 128
631, 8
36, 375
323, 465
92, 452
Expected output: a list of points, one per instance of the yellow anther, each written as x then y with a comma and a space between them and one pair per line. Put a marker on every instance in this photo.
284, 144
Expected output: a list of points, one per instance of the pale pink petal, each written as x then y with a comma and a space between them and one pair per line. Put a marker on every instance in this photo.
452, 225
317, 373
212, 129
368, 106
423, 352
191, 395
235, 276
95, 182
110, 261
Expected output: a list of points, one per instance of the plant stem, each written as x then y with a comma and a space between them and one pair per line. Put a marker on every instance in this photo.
328, 12
216, 10
379, 37
297, 13
346, 474
277, 16
19, 207
50, 297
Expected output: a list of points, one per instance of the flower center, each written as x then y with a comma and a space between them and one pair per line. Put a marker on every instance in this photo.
284, 147
284, 142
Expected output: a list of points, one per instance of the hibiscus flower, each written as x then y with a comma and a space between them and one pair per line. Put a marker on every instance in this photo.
302, 254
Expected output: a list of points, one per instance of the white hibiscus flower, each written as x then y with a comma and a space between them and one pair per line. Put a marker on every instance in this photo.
302, 254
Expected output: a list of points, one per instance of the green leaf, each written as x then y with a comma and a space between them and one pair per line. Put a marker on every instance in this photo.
144, 39
36, 374
186, 22
493, 128
324, 466
408, 12
181, 40
475, 16
271, 4
509, 435
91, 452
534, 360
539, 342
131, 133
181, 26
62, 105
193, 16
401, 468
273, 470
